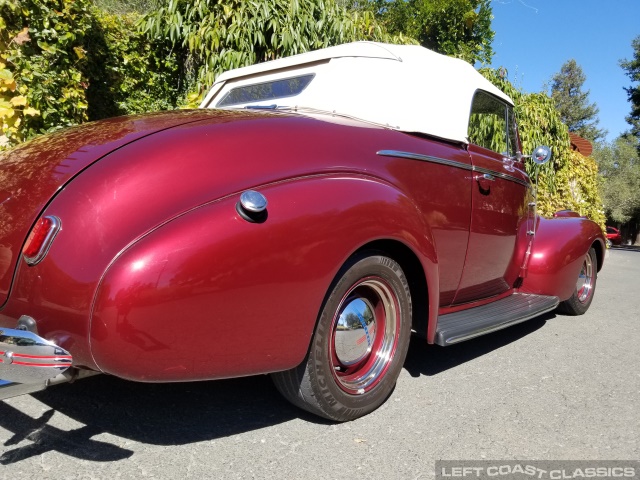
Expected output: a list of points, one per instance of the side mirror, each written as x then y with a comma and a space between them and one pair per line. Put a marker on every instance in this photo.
541, 155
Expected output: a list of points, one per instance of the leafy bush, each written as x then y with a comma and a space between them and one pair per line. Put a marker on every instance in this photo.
126, 72
569, 180
122, 7
63, 62
13, 102
46, 53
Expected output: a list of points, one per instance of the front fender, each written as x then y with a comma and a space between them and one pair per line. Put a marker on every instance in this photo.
211, 295
558, 250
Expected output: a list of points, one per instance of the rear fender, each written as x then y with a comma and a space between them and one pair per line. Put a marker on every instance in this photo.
558, 250
211, 295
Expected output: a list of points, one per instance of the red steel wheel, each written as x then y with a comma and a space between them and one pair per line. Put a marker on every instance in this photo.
364, 335
359, 345
581, 299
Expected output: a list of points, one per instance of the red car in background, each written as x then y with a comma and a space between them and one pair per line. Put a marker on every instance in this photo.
614, 236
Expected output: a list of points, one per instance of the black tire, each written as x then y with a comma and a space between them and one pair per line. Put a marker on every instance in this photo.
360, 342
582, 296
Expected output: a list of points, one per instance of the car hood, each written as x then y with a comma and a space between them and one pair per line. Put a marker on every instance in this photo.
31, 174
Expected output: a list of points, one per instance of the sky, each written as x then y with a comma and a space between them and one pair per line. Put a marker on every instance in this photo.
533, 38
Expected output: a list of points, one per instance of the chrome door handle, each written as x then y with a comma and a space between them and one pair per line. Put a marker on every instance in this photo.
486, 176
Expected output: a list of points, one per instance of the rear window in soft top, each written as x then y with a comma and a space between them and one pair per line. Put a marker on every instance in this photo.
264, 91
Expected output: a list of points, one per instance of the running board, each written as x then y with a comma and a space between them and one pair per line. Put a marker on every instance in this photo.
463, 325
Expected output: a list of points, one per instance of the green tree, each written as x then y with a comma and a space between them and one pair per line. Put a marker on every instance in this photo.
632, 67
619, 166
573, 103
123, 7
63, 62
459, 28
213, 36
126, 72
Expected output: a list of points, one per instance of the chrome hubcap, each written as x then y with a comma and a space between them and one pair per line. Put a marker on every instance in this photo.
364, 335
355, 332
584, 286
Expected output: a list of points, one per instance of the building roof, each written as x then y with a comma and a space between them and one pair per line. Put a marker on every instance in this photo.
404, 87
581, 145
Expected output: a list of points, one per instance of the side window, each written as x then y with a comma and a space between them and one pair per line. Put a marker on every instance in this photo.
488, 124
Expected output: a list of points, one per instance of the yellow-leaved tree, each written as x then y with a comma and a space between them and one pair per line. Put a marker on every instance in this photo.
13, 97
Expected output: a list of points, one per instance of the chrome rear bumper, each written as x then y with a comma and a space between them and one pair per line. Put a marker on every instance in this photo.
28, 362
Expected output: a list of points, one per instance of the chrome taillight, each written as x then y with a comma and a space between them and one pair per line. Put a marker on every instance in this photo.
40, 239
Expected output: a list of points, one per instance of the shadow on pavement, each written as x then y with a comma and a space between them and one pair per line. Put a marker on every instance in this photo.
157, 414
628, 248
424, 359
184, 413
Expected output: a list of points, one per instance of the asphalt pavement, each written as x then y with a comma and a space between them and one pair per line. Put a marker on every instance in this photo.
556, 387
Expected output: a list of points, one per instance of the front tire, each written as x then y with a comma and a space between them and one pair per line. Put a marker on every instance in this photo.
359, 345
581, 299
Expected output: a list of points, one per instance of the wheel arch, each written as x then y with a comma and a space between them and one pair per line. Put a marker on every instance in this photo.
185, 248
558, 251
600, 249
415, 273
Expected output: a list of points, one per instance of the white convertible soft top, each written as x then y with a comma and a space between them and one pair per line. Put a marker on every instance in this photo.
405, 87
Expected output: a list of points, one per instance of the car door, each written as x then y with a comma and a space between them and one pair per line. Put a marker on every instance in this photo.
500, 202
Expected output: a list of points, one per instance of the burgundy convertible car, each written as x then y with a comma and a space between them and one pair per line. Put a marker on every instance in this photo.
314, 212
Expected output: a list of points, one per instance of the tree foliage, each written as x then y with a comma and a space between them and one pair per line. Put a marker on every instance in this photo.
212, 36
459, 28
63, 62
573, 103
632, 68
13, 100
619, 165
45, 52
124, 7
126, 72
569, 180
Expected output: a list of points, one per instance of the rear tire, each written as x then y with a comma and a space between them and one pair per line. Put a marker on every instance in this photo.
581, 299
360, 342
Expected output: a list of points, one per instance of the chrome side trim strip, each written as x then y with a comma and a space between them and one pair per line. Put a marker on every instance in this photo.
451, 163
502, 175
425, 158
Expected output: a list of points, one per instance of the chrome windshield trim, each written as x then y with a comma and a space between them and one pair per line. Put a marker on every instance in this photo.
451, 163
